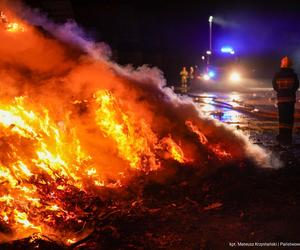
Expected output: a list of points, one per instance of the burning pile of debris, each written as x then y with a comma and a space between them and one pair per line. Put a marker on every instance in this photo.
77, 129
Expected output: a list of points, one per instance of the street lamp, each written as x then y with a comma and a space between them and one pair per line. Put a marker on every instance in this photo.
210, 20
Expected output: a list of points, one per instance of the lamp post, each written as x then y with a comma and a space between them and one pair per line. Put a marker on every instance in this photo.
210, 20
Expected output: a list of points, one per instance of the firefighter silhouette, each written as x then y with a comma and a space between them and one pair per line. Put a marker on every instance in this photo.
285, 83
184, 79
191, 75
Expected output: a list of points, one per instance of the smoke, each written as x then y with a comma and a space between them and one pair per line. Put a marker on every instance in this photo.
62, 66
224, 22
68, 33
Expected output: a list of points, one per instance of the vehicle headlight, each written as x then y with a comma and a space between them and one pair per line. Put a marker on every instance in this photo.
206, 77
235, 77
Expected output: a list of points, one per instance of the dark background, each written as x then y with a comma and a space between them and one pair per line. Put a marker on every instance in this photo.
169, 34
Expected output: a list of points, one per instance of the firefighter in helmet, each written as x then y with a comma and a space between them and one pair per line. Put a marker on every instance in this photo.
285, 83
184, 79
191, 75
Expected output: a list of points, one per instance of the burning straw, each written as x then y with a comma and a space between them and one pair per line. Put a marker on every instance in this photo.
73, 122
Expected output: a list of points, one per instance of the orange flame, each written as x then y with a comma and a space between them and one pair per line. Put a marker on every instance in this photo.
202, 138
40, 160
174, 150
217, 149
34, 159
135, 140
11, 26
15, 27
221, 153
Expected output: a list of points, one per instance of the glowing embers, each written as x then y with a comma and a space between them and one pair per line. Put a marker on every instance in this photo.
41, 165
135, 140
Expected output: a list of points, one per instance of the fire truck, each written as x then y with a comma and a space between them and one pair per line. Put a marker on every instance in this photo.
221, 69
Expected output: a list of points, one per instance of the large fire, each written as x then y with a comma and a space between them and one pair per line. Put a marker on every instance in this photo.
54, 153
42, 159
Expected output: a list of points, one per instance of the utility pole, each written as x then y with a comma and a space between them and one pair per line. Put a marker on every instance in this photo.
209, 52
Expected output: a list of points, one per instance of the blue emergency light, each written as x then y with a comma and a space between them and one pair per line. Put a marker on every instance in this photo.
211, 74
227, 50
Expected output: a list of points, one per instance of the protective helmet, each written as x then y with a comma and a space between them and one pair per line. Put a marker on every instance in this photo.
286, 62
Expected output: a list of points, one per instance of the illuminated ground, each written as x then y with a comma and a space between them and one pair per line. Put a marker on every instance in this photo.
253, 111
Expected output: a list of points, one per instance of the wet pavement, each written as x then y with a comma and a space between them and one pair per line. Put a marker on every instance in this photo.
255, 109
255, 113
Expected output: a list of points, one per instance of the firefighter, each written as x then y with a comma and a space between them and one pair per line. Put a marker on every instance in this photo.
184, 79
285, 83
191, 75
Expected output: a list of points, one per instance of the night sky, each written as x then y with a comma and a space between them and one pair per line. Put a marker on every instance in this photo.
170, 34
